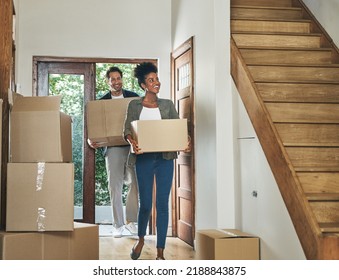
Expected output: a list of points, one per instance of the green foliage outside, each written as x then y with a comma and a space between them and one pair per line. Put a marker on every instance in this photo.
71, 87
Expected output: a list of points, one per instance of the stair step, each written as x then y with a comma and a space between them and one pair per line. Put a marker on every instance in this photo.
274, 73
325, 159
247, 25
321, 135
286, 56
265, 12
322, 196
304, 112
326, 212
298, 92
277, 40
263, 3
316, 169
319, 182
329, 227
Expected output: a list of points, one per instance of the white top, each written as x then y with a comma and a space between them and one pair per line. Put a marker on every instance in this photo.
150, 114
117, 97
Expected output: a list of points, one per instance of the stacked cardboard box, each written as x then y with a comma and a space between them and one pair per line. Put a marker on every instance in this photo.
39, 131
40, 176
80, 244
40, 197
40, 184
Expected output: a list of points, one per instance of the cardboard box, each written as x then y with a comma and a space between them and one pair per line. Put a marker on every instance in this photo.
226, 244
81, 244
160, 135
105, 121
39, 132
40, 197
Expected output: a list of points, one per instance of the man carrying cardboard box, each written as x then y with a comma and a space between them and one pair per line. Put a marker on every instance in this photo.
118, 171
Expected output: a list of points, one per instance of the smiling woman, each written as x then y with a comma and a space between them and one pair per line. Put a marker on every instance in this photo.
151, 166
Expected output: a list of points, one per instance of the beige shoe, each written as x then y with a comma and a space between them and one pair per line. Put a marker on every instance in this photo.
117, 232
132, 228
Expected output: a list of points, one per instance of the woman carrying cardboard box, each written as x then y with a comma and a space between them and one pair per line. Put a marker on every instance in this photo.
153, 164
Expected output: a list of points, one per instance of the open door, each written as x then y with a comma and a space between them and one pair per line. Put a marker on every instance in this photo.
183, 195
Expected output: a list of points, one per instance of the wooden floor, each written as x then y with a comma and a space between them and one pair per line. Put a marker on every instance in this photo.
111, 248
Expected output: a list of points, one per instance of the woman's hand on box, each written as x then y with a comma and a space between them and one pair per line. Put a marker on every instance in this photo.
189, 145
134, 145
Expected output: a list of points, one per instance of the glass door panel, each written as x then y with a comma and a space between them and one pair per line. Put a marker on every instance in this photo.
71, 89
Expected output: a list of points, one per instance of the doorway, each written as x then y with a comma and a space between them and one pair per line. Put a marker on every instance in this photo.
183, 195
79, 74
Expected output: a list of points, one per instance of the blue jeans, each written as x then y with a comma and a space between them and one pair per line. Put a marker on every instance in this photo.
149, 165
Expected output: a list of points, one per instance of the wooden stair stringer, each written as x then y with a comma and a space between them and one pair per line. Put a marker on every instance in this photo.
303, 219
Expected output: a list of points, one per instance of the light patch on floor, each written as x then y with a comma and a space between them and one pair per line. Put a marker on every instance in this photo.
107, 230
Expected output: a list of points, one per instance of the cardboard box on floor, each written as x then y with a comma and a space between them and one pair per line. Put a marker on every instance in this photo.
80, 244
40, 197
39, 131
160, 135
226, 244
105, 121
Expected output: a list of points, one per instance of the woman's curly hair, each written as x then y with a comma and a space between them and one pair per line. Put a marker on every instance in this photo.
142, 70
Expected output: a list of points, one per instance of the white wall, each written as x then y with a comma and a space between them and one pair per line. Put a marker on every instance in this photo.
91, 28
205, 21
264, 214
327, 14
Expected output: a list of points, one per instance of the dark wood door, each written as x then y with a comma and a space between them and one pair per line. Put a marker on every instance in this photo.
87, 70
183, 192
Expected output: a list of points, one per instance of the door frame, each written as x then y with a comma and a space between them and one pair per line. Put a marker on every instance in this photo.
179, 51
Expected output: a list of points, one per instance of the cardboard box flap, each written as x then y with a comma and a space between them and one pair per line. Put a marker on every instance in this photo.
12, 96
225, 233
234, 233
37, 103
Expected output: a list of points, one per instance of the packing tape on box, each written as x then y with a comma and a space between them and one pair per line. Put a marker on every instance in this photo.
40, 176
41, 219
228, 232
39, 182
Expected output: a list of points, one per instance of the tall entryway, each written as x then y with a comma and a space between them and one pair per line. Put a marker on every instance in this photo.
184, 184
79, 80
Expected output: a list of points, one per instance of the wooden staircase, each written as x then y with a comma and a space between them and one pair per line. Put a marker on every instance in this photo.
286, 69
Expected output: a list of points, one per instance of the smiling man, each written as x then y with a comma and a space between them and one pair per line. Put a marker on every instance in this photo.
118, 171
